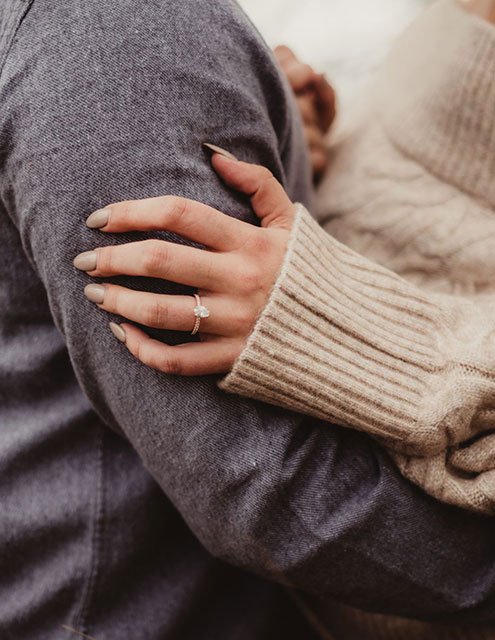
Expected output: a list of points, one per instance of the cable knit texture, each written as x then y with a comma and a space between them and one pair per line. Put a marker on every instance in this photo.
387, 325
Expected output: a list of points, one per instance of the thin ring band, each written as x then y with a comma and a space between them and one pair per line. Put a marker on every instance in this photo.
200, 312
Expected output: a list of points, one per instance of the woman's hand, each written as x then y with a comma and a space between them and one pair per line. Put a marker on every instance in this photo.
316, 101
234, 275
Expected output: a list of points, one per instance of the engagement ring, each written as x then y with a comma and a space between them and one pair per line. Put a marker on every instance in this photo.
200, 312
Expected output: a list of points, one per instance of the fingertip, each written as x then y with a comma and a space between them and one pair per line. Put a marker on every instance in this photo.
283, 53
99, 219
218, 150
133, 337
118, 331
221, 162
226, 168
133, 332
86, 261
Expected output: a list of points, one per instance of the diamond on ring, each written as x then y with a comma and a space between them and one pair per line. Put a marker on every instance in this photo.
200, 313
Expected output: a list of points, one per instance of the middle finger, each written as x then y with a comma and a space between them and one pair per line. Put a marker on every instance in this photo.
159, 259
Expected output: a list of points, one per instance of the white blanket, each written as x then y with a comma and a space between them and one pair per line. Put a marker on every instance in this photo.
347, 39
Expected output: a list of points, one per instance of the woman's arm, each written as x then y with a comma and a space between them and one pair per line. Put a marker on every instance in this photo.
328, 333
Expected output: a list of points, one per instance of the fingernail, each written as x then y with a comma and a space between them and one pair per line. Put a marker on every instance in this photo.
117, 331
222, 152
95, 293
98, 219
86, 261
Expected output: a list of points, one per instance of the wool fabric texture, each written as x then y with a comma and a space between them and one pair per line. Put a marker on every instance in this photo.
384, 321
138, 505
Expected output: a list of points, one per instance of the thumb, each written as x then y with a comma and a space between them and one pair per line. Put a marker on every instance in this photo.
268, 198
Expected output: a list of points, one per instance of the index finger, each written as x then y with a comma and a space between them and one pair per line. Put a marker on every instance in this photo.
188, 218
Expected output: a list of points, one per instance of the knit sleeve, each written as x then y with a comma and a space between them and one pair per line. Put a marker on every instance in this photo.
350, 342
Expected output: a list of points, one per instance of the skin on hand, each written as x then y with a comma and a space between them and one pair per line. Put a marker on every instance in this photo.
316, 101
234, 275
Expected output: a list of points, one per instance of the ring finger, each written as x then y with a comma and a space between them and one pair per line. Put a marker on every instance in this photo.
158, 311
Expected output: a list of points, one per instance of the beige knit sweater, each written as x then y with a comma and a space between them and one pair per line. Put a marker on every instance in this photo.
408, 358
387, 323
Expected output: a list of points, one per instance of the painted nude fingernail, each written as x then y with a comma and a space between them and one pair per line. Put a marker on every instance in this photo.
117, 331
86, 261
98, 219
95, 293
222, 152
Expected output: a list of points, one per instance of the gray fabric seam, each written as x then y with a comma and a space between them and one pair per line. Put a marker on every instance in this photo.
81, 618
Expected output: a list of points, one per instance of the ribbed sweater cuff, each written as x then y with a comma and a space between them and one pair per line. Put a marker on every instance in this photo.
346, 340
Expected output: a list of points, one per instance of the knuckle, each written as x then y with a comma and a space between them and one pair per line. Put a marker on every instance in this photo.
170, 365
155, 315
105, 260
160, 359
111, 300
260, 243
243, 321
269, 182
124, 209
209, 271
177, 208
265, 180
146, 354
265, 174
155, 257
251, 279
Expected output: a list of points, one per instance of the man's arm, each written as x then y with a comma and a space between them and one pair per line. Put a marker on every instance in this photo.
107, 101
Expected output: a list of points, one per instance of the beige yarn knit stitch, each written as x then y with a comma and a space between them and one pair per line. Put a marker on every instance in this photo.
387, 322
